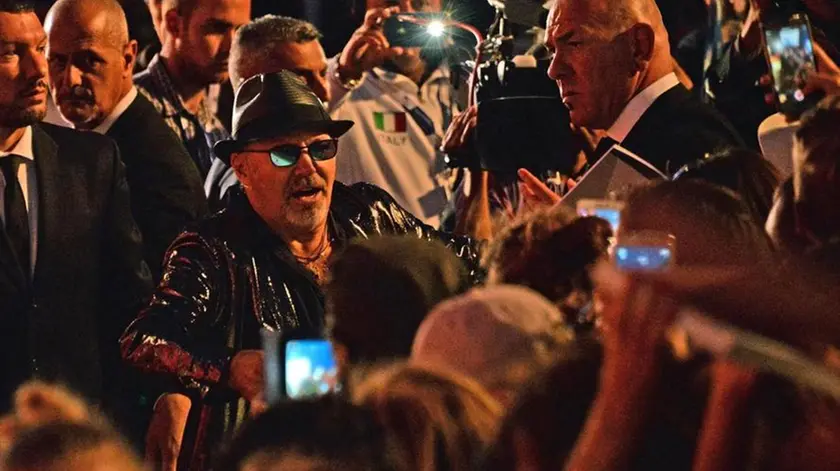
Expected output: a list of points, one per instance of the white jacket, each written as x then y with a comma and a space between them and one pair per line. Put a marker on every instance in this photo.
387, 147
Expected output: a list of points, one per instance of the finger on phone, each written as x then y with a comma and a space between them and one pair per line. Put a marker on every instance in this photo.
375, 16
822, 82
824, 62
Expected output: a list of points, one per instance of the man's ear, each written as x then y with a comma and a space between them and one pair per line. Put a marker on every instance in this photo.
130, 57
239, 164
172, 23
643, 42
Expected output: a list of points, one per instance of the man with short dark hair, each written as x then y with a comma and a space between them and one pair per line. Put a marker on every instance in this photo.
195, 53
261, 262
90, 61
71, 261
270, 44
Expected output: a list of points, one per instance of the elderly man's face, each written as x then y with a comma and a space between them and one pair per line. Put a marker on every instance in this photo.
594, 69
298, 196
88, 67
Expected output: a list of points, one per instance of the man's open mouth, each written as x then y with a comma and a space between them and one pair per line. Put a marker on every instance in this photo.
306, 192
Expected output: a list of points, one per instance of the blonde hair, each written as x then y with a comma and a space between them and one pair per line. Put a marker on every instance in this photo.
37, 403
51, 428
439, 420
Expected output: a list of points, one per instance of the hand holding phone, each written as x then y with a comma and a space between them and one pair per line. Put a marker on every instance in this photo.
246, 373
789, 49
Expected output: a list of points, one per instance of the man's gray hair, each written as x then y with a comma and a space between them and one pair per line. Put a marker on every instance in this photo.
258, 40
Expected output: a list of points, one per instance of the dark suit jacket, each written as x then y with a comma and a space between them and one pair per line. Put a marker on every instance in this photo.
166, 187
90, 279
679, 129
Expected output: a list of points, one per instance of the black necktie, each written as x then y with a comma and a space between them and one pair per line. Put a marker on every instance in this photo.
17, 218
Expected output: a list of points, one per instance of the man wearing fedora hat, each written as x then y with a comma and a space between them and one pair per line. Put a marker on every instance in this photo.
261, 262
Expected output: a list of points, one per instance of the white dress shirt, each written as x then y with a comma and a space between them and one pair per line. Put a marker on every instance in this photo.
122, 105
640, 103
28, 181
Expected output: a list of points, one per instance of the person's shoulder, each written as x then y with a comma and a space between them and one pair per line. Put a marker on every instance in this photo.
362, 195
142, 120
211, 231
685, 116
72, 140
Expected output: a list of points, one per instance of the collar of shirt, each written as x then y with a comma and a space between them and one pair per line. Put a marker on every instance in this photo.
122, 105
23, 148
639, 105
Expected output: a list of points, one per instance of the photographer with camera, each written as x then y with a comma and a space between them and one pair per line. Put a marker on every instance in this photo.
402, 101
614, 69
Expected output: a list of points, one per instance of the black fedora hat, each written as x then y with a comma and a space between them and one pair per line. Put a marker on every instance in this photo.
272, 105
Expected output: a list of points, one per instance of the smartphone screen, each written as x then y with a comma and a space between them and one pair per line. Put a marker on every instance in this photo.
790, 53
611, 215
609, 211
310, 368
643, 257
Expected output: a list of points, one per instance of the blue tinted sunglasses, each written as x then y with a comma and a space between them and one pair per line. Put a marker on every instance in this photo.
288, 155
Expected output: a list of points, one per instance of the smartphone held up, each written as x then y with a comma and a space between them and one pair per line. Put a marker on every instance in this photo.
298, 368
789, 49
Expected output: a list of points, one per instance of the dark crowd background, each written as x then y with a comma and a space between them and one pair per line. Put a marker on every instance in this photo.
685, 19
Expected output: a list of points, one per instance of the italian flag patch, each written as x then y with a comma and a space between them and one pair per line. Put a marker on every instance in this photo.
389, 122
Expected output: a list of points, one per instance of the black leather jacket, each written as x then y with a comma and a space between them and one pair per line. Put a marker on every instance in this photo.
230, 276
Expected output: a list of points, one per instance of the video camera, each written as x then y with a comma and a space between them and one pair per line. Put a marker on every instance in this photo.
522, 122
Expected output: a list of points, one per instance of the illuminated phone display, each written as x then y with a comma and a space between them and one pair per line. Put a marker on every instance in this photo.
643, 258
310, 368
790, 55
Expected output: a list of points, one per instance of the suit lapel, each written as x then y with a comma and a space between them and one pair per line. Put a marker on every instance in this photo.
47, 170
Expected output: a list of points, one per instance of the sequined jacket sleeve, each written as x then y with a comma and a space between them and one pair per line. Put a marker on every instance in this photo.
180, 338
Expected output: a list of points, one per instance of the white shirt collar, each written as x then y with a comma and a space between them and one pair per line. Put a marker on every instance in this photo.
123, 105
23, 148
639, 105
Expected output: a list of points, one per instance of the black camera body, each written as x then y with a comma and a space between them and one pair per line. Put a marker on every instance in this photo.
522, 122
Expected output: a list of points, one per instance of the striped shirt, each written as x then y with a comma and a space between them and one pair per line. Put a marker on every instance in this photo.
199, 132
